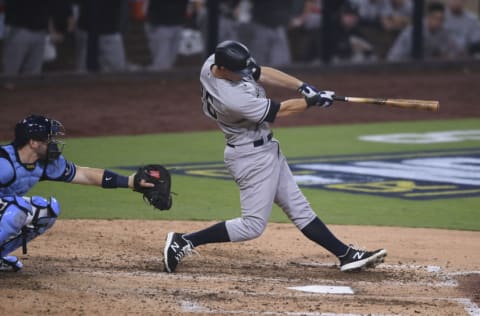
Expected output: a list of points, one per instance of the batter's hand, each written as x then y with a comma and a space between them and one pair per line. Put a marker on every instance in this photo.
322, 99
307, 90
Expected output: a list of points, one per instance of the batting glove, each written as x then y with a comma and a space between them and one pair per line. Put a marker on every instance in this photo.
323, 99
307, 90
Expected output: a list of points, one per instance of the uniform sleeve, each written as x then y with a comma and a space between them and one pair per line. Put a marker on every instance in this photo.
6, 172
247, 105
60, 170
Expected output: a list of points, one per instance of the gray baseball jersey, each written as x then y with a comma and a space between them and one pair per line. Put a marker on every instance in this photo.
239, 108
254, 159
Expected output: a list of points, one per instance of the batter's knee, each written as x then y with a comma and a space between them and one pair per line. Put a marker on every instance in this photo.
246, 228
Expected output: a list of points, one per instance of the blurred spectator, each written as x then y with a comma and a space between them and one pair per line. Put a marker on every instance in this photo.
2, 18
243, 14
27, 24
304, 30
350, 45
59, 49
394, 17
106, 20
165, 21
370, 12
437, 41
309, 14
269, 42
228, 20
464, 25
370, 24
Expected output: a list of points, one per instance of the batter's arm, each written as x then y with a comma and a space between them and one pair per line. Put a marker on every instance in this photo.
275, 77
292, 106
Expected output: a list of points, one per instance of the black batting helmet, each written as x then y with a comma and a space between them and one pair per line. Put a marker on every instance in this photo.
235, 57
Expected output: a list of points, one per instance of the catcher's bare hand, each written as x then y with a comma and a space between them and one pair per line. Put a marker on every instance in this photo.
143, 183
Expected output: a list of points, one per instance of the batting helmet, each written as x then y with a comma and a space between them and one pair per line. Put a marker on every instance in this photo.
40, 128
235, 57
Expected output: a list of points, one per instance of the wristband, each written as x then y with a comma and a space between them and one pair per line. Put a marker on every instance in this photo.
112, 180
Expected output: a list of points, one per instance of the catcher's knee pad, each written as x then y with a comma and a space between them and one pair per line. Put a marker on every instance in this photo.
42, 217
13, 216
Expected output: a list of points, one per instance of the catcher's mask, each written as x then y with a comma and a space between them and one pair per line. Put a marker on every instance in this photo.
235, 57
44, 129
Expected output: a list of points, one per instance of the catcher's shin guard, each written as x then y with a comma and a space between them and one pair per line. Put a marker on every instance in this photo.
43, 216
13, 216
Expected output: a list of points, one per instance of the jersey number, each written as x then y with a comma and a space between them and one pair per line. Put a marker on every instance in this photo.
207, 101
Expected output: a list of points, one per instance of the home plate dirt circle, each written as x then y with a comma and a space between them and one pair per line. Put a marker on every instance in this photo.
85, 267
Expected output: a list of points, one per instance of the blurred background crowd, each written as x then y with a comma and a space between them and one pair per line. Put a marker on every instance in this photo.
153, 35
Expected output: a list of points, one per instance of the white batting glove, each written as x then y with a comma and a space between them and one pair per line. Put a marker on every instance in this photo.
307, 90
322, 99
326, 98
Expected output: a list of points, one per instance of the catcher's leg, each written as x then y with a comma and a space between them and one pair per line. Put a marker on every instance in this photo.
28, 225
13, 216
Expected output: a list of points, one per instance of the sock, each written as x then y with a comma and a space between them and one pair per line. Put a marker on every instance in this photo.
319, 233
213, 234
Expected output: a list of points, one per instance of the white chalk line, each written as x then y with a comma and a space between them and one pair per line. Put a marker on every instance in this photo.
193, 307
447, 278
470, 307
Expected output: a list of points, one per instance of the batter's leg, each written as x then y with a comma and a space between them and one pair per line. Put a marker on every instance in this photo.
257, 175
298, 209
295, 205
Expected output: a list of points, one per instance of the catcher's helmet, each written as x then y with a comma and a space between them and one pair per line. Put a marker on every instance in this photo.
40, 128
235, 57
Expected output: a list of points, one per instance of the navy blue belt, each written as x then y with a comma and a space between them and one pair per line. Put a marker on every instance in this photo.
258, 142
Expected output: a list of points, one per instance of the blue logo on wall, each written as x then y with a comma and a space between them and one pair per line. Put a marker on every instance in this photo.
407, 175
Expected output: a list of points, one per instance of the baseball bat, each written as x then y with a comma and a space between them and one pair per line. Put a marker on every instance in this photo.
428, 105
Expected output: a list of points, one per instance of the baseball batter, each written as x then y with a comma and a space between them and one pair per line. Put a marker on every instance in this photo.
233, 97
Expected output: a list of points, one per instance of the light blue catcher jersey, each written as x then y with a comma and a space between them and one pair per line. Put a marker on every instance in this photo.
17, 178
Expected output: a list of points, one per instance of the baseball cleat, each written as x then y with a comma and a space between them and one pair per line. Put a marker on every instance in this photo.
176, 247
10, 263
356, 259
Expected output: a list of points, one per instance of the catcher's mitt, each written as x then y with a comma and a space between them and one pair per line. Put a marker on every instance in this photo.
159, 196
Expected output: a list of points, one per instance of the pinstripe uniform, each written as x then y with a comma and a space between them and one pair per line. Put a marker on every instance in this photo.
252, 156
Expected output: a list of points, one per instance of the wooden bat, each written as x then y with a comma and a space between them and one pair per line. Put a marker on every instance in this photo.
428, 105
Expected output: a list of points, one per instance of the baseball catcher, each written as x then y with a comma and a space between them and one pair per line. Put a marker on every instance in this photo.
159, 196
35, 155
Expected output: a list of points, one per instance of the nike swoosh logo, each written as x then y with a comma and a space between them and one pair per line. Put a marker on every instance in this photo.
108, 178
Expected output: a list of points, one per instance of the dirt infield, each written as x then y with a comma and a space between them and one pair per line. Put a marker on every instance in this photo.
114, 267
